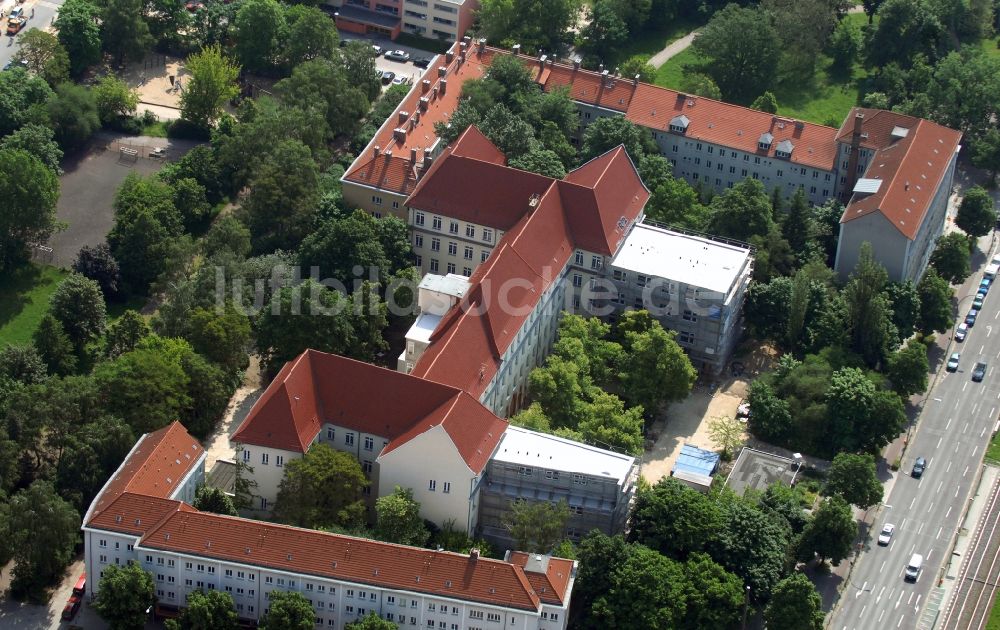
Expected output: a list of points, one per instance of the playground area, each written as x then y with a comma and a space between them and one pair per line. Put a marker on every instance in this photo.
159, 80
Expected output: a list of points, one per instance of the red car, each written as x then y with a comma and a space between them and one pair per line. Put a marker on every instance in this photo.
80, 588
71, 608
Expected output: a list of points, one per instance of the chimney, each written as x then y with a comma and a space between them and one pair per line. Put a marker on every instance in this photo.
464, 44
423, 103
466, 40
576, 64
425, 85
474, 553
481, 45
542, 59
388, 154
413, 155
403, 115
600, 67
376, 150
444, 86
516, 49
635, 80
399, 135
442, 70
449, 56
427, 158
852, 160
461, 57
434, 93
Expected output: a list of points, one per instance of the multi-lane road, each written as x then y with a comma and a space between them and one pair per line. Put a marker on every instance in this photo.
952, 433
45, 12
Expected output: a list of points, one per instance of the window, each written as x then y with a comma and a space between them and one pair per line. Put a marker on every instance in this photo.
263, 458
451, 267
447, 487
487, 235
187, 566
466, 271
525, 471
436, 224
268, 579
432, 485
395, 205
376, 200
211, 570
263, 503
470, 231
781, 173
435, 244
494, 617
104, 559
418, 218
431, 608
391, 599
103, 544
475, 614
434, 265
641, 280
577, 280
685, 337
246, 455
756, 160
229, 573
468, 253
688, 316
366, 466
369, 443
579, 479
349, 439
484, 256
595, 262
619, 275
330, 434
578, 258
452, 248
418, 240
279, 460
552, 474
453, 227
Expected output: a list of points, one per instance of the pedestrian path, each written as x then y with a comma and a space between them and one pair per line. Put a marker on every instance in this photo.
672, 49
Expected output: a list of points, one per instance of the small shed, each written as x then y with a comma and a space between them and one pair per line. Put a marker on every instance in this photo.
695, 467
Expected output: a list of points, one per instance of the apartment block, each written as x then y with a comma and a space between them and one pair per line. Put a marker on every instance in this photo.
446, 20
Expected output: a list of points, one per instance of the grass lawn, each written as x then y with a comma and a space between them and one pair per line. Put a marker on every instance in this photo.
24, 299
825, 99
652, 42
991, 47
993, 455
994, 621
156, 130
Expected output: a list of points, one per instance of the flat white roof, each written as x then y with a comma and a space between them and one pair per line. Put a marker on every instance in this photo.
423, 328
691, 260
867, 186
530, 448
451, 284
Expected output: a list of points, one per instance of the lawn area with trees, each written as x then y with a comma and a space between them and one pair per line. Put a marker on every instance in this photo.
24, 299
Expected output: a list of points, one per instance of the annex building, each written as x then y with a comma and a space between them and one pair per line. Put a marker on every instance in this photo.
143, 515
711, 144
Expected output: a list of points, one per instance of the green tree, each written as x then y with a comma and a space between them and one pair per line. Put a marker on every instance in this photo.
558, 388
750, 543
22, 363
986, 153
830, 533
742, 211
322, 488
54, 346
647, 590
798, 225
951, 257
282, 203
125, 333
260, 28
311, 35
795, 604
211, 610
324, 86
146, 222
42, 54
714, 596
599, 556
397, 519
766, 102
115, 99
674, 519
209, 499
853, 478
638, 65
658, 370
606, 133
227, 234
727, 434
79, 306
905, 30
43, 530
961, 92
844, 47
169, 22
337, 245
23, 97
221, 337
806, 26
606, 423
211, 85
359, 65
935, 303
868, 310
907, 369
126, 594
371, 621
288, 611
124, 33
605, 32
700, 84
28, 194
904, 300
742, 48
976, 214
536, 527
38, 140
79, 32
541, 161
145, 387
536, 24
862, 416
73, 114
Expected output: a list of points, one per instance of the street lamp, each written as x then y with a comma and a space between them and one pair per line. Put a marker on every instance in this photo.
746, 605
798, 460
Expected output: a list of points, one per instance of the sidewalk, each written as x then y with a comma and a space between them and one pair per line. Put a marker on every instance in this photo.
673, 48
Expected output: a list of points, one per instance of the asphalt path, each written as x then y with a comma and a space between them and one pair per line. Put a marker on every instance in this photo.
952, 433
45, 12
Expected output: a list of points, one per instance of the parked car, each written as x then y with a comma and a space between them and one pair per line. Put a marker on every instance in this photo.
970, 319
961, 332
17, 12
984, 285
398, 55
977, 302
15, 24
72, 607
979, 372
80, 588
377, 49
422, 62
953, 362
918, 468
387, 77
401, 80
886, 534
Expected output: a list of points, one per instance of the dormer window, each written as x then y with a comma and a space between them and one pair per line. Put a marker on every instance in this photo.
764, 142
679, 124
784, 149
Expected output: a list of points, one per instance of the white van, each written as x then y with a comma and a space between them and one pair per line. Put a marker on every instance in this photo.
913, 568
991, 271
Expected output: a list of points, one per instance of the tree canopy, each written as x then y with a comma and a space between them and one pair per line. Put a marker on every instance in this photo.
853, 478
126, 593
322, 488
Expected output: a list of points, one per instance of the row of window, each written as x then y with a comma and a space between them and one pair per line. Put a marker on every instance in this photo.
378, 202
435, 266
432, 486
453, 227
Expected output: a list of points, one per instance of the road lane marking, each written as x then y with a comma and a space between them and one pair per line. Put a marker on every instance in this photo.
903, 524
949, 419
939, 441
912, 501
940, 483
964, 386
983, 432
929, 553
929, 510
965, 428
863, 608
974, 449
920, 529
900, 598
900, 621
912, 547
880, 569
957, 489
877, 599
993, 409
910, 600
916, 607
966, 471
940, 529
983, 347
883, 612
949, 511
948, 468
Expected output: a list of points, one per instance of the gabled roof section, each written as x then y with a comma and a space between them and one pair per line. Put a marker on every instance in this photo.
154, 467
317, 387
549, 576
362, 561
395, 173
474, 145
135, 514
877, 127
911, 170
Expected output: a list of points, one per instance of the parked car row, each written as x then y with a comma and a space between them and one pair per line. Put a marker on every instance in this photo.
400, 56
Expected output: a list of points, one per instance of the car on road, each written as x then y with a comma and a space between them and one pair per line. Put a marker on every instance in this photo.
961, 332
913, 567
15, 24
421, 62
977, 302
979, 372
885, 535
918, 468
387, 77
397, 55
970, 319
72, 607
80, 588
953, 360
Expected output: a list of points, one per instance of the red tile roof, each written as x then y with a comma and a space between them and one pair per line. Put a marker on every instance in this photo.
154, 468
384, 565
395, 173
318, 387
135, 514
550, 585
910, 168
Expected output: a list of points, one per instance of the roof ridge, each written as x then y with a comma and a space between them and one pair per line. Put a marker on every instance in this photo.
910, 141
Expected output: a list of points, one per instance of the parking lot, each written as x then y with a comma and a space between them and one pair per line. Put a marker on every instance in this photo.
399, 69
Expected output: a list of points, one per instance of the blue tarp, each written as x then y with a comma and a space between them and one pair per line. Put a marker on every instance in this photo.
697, 461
